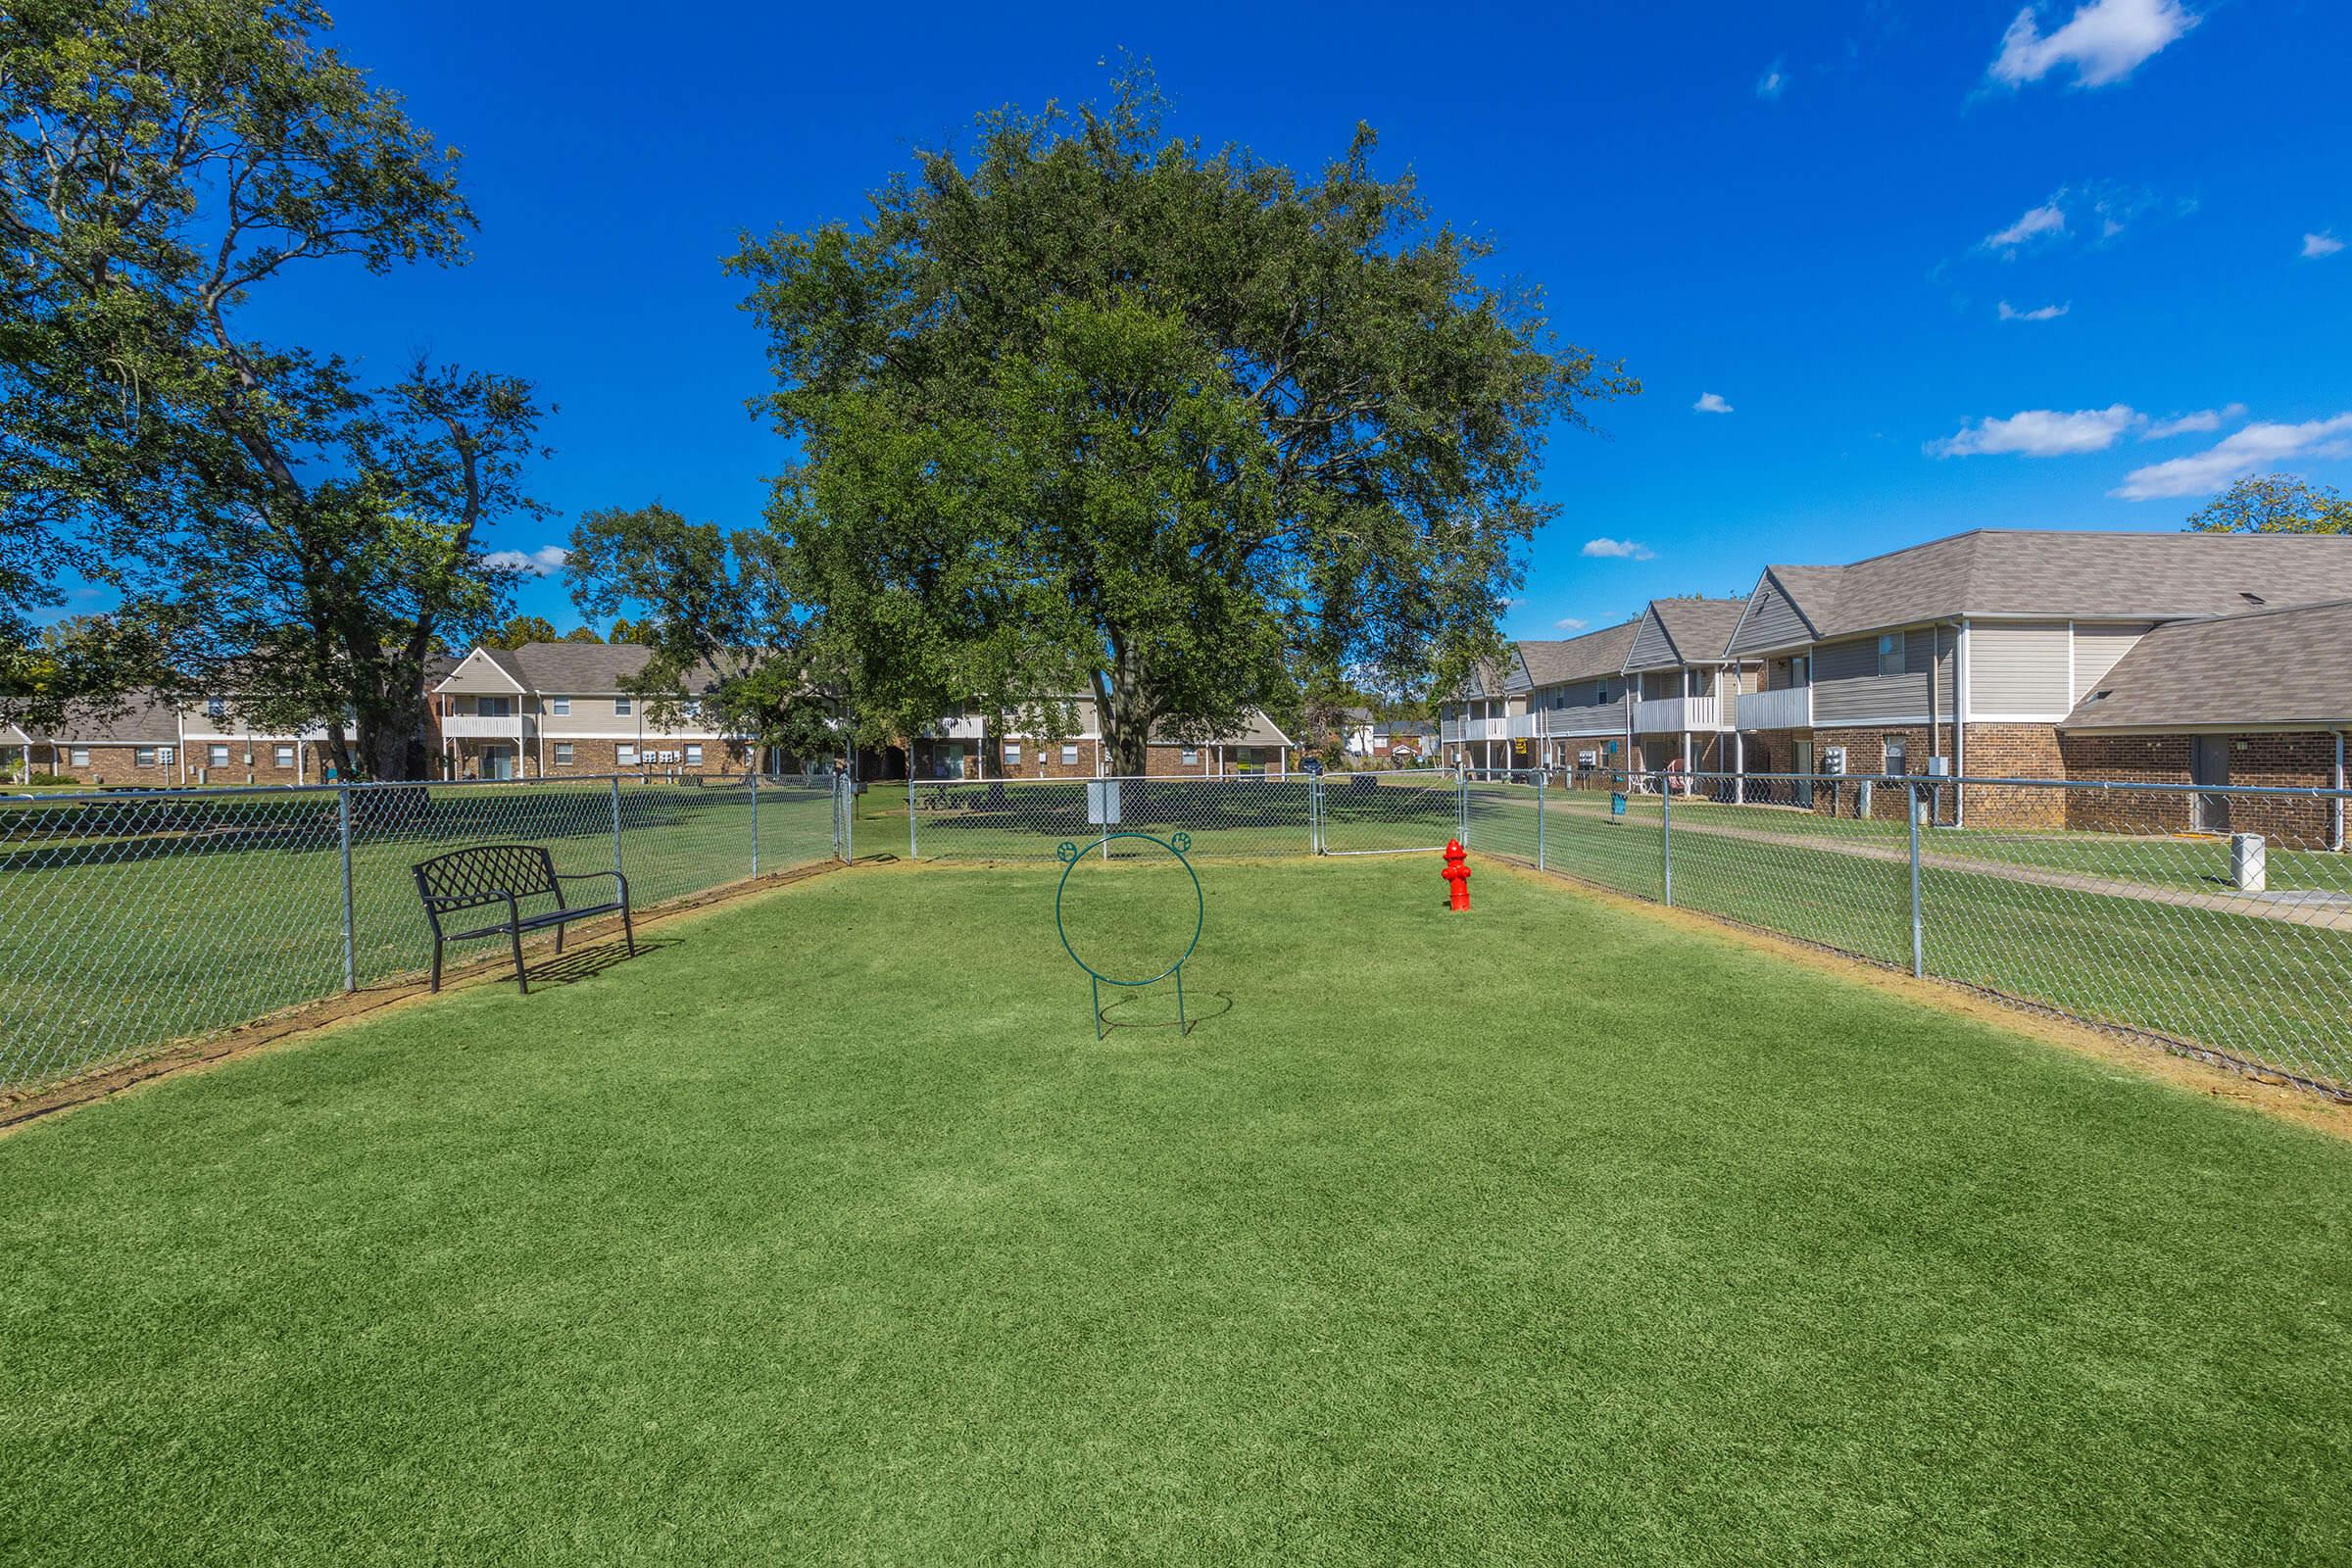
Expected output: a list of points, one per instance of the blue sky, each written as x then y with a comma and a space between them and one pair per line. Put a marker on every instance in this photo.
1815, 212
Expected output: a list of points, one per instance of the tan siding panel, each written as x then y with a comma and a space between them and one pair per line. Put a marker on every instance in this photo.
2020, 670
2096, 650
1651, 646
1847, 687
1772, 620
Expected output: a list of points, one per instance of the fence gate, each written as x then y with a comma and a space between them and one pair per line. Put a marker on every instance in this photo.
1399, 812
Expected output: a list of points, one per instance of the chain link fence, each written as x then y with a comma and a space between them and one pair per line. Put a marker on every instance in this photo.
2217, 921
133, 920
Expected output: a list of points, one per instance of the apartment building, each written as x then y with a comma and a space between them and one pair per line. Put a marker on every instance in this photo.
1682, 690
552, 710
972, 746
1987, 653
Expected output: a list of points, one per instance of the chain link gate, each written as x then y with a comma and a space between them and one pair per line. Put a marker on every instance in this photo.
1403, 812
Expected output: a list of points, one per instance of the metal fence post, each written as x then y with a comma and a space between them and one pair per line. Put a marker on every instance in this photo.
350, 967
1919, 954
1539, 821
1666, 836
911, 846
754, 822
618, 867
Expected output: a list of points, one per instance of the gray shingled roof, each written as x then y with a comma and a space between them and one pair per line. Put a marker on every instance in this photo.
581, 668
1698, 627
1595, 652
1257, 730
2263, 667
2000, 572
142, 718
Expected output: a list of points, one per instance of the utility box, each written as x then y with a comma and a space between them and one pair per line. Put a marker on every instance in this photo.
2249, 871
1832, 760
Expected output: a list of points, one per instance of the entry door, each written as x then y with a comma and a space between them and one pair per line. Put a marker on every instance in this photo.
497, 761
2211, 766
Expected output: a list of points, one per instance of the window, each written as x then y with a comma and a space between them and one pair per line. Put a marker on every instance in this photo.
1897, 754
215, 755
82, 756
215, 707
144, 755
559, 706
1192, 755
694, 755
285, 755
1694, 683
1890, 652
1012, 753
494, 707
563, 754
620, 707
625, 756
693, 706
1069, 757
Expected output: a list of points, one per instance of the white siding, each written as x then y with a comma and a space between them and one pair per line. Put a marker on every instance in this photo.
2096, 651
2020, 670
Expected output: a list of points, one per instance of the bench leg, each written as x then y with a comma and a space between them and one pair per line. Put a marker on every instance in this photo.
436, 985
521, 984
559, 940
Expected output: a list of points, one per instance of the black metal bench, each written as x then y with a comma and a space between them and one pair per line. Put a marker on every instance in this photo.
490, 874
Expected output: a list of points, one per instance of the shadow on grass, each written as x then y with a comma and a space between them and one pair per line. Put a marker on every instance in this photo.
585, 963
1219, 1004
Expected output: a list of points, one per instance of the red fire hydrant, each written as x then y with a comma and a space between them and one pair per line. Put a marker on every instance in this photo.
1458, 876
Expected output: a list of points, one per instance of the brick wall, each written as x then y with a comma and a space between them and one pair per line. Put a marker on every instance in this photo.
2014, 751
593, 756
112, 765
2302, 759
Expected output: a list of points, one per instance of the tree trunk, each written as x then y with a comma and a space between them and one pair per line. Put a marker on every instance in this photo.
1124, 716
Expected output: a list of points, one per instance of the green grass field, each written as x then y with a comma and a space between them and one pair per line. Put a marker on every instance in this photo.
205, 910
2266, 991
826, 1231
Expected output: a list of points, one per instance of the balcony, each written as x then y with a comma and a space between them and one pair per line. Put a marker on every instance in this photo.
1671, 715
1523, 726
1484, 729
1602, 718
1449, 730
477, 727
960, 729
1789, 709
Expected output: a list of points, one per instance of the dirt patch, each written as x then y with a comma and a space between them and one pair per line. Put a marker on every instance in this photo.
2272, 1095
299, 1025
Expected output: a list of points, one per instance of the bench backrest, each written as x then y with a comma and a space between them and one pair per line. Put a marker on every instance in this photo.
485, 873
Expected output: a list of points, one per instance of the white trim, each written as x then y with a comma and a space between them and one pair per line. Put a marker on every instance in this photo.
2019, 719
441, 687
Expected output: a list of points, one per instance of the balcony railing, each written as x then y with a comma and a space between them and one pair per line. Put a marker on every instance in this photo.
1791, 707
1671, 715
477, 726
1603, 718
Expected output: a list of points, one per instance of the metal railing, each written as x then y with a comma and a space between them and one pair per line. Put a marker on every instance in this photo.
2214, 920
133, 920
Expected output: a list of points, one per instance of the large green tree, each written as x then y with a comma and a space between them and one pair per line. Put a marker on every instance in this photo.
307, 538
1087, 408
2274, 503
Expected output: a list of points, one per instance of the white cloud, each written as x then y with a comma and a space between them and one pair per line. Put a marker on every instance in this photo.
2103, 42
1773, 83
2191, 424
2039, 433
1618, 550
2254, 447
544, 562
2047, 218
2316, 246
1711, 402
1570, 623
2040, 312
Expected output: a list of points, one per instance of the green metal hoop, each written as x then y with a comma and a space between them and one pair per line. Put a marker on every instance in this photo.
1175, 844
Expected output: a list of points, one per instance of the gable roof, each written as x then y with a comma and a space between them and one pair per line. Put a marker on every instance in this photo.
572, 668
1689, 630
1595, 652
142, 717
2061, 573
2283, 667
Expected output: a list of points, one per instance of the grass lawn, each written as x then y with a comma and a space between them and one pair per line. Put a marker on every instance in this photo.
826, 1231
210, 909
